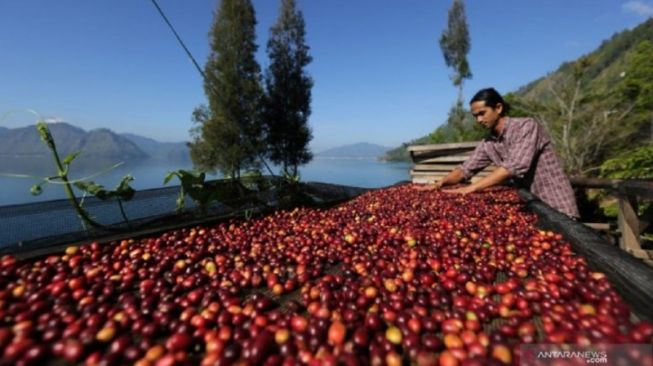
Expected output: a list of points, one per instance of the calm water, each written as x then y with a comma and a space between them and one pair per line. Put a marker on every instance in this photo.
367, 173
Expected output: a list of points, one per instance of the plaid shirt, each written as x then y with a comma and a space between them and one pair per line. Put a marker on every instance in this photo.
525, 150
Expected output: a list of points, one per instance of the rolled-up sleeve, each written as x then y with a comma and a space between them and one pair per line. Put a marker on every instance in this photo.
477, 161
522, 151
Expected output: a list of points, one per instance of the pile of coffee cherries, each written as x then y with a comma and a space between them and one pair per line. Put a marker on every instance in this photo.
397, 276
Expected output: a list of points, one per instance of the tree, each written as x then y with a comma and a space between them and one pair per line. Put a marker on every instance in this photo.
455, 45
585, 126
634, 164
228, 134
637, 87
288, 91
460, 127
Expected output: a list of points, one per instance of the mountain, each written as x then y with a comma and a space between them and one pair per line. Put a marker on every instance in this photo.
94, 144
98, 143
168, 151
359, 150
606, 68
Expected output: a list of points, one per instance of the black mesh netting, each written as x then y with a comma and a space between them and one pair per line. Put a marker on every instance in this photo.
39, 225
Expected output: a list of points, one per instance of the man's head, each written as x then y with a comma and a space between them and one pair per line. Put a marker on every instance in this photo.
488, 107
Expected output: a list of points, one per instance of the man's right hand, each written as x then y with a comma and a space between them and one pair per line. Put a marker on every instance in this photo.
430, 187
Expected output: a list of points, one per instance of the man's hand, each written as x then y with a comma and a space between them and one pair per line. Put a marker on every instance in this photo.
461, 190
429, 187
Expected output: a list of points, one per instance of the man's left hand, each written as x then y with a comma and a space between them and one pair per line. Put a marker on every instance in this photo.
461, 190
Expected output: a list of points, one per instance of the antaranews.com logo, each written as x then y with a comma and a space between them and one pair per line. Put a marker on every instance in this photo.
568, 354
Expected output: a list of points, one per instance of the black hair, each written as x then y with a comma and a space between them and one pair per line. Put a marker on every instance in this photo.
491, 97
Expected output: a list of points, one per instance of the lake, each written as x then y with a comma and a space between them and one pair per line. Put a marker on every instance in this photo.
368, 173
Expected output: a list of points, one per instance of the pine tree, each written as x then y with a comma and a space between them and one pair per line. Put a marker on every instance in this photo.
455, 45
288, 91
228, 135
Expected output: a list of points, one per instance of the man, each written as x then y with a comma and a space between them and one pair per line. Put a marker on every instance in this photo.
521, 150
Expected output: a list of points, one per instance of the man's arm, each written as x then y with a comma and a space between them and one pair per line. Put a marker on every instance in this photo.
521, 155
477, 161
498, 176
454, 176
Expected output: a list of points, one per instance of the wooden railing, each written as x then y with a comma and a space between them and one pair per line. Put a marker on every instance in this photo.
432, 162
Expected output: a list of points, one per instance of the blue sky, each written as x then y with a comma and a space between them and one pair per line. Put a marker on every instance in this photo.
378, 70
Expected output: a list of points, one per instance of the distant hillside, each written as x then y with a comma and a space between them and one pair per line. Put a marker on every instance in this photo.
359, 150
608, 62
168, 151
99, 143
401, 153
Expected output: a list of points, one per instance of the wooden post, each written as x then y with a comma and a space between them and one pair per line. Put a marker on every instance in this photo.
628, 224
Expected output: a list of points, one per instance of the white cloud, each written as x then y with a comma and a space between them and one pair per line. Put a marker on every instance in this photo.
53, 120
638, 7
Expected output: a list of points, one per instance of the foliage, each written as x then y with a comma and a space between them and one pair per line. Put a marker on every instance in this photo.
460, 127
203, 192
228, 134
585, 124
401, 153
288, 91
193, 183
291, 178
636, 164
253, 180
637, 86
600, 106
619, 44
123, 192
455, 44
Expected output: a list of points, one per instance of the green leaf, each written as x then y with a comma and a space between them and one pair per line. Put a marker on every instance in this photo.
94, 189
169, 176
44, 131
36, 189
124, 190
181, 202
69, 159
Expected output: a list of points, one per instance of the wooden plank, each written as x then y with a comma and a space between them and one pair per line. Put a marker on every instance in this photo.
649, 262
445, 167
416, 157
600, 226
422, 180
428, 174
426, 179
439, 147
638, 188
640, 253
584, 182
434, 167
628, 223
444, 159
442, 174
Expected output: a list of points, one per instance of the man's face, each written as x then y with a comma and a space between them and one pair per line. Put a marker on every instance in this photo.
488, 117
